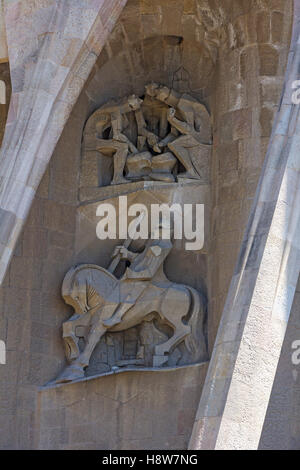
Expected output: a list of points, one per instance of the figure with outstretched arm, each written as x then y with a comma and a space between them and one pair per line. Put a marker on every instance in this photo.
143, 267
112, 117
190, 127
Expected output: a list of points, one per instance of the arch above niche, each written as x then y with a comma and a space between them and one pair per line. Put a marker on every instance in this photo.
175, 61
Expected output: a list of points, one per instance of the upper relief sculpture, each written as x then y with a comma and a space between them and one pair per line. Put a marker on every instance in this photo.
166, 136
105, 304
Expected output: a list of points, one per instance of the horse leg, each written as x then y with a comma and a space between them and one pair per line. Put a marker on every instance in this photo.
180, 333
76, 369
69, 335
175, 306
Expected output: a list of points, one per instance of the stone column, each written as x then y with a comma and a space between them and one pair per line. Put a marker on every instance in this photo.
239, 382
52, 48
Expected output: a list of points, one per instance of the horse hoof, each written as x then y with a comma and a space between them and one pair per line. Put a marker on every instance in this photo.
159, 361
70, 373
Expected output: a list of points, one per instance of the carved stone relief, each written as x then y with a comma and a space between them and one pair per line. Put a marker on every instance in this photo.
163, 136
155, 149
105, 304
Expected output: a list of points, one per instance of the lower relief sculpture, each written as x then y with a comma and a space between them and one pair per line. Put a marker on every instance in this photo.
104, 303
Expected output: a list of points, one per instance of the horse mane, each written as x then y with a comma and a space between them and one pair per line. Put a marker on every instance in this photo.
70, 277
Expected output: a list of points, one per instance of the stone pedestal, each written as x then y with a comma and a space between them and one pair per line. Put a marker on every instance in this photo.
146, 409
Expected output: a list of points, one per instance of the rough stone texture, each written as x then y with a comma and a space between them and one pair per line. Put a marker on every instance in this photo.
244, 103
259, 301
121, 411
146, 44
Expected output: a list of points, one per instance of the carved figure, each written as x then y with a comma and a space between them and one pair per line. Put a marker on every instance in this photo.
148, 137
103, 303
190, 127
118, 145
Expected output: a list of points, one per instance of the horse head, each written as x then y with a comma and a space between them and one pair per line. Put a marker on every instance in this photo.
74, 291
87, 286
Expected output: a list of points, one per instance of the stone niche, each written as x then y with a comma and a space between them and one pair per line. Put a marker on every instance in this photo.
149, 137
130, 309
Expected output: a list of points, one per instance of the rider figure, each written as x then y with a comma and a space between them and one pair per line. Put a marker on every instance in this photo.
143, 267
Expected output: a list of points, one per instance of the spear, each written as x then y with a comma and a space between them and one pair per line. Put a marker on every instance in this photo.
116, 260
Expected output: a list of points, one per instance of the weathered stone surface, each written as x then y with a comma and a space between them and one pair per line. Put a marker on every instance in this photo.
147, 139
105, 303
206, 32
248, 345
122, 411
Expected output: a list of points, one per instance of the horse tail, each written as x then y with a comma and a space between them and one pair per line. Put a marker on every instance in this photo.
196, 342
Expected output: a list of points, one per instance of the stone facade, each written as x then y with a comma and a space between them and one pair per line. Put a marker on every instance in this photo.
230, 56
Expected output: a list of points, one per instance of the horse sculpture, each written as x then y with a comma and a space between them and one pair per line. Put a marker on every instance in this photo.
96, 294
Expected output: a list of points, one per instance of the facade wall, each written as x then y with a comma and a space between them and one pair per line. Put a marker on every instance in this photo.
121, 411
251, 70
172, 43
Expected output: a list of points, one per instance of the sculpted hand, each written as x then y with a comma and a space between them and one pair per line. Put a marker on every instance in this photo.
132, 148
120, 250
121, 138
171, 113
153, 142
161, 145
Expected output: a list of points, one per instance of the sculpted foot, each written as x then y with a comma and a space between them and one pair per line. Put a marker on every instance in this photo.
120, 181
71, 373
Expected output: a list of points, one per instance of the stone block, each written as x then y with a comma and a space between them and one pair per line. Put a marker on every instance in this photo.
35, 243
277, 25
119, 411
59, 217
26, 273
268, 60
242, 124
266, 121
263, 27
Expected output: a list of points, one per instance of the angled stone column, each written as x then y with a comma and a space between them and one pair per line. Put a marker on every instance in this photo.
238, 385
52, 48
